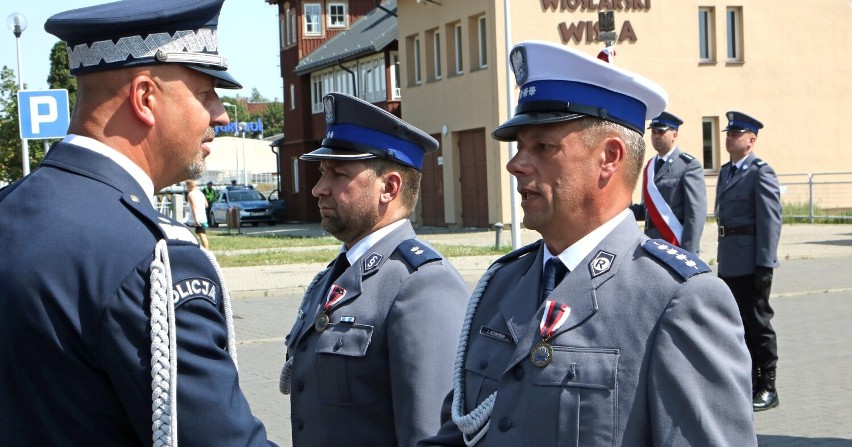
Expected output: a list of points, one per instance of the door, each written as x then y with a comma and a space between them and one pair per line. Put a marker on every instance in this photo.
432, 188
474, 178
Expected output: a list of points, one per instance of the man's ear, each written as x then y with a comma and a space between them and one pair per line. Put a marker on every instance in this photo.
391, 186
613, 153
143, 99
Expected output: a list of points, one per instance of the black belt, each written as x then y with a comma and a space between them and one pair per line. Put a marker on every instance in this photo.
735, 231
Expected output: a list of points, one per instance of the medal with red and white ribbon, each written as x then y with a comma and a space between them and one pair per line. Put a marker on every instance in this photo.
335, 294
554, 316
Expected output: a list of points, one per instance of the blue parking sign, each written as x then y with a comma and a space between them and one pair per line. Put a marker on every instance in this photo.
43, 114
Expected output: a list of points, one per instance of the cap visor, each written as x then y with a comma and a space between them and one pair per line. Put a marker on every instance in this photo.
327, 153
508, 131
222, 77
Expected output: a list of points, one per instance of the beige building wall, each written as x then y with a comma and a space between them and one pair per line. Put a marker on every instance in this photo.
792, 74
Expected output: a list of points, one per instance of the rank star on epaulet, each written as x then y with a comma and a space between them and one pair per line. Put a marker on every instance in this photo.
685, 263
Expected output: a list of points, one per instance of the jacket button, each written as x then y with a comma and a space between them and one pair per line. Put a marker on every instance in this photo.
505, 424
518, 372
483, 364
300, 386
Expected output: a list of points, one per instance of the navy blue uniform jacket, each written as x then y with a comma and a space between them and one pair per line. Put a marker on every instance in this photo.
78, 237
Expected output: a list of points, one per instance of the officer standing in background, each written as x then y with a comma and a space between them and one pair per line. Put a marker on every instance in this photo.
595, 335
113, 323
748, 211
370, 356
674, 204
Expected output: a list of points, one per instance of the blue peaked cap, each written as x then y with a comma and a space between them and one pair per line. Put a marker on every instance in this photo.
358, 130
665, 121
558, 83
144, 32
740, 122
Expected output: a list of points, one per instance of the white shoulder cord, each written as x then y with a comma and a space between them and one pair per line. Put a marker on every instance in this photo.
226, 304
163, 350
478, 419
287, 370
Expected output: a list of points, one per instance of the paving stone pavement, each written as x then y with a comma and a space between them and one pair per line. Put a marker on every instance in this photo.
812, 297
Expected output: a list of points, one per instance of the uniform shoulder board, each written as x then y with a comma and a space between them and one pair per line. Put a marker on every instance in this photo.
686, 157
685, 263
519, 252
759, 162
416, 252
165, 226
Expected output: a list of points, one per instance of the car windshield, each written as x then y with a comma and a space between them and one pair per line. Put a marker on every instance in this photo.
244, 196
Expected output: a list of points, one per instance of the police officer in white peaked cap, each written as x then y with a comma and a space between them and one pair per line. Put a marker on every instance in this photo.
370, 355
115, 324
594, 335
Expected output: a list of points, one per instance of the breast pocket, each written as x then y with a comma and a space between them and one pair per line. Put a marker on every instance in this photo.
587, 399
346, 376
487, 359
666, 185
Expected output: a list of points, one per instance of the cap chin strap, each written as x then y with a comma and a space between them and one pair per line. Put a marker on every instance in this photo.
164, 344
180, 57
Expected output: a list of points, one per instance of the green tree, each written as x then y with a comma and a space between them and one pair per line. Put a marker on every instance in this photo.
60, 74
273, 119
256, 96
11, 166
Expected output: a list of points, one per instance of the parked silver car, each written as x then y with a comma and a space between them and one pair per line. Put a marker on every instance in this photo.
254, 207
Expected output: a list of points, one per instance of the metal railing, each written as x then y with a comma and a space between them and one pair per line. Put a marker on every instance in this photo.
821, 195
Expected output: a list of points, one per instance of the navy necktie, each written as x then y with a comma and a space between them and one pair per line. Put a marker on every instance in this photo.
340, 265
658, 164
554, 272
732, 172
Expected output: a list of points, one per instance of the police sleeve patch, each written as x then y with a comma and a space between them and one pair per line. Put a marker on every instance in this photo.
192, 288
416, 253
685, 263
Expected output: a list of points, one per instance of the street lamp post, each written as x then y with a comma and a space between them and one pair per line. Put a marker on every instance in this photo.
17, 23
236, 155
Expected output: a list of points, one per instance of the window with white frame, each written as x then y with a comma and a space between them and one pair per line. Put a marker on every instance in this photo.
337, 15
483, 42
293, 18
436, 54
395, 82
705, 34
313, 25
316, 92
457, 46
369, 76
286, 32
417, 77
710, 134
734, 30
292, 97
295, 174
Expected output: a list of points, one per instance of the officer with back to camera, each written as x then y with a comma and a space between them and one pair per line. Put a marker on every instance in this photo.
115, 329
595, 335
674, 195
370, 356
748, 211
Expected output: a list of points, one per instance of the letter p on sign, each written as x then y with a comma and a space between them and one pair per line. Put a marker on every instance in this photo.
43, 114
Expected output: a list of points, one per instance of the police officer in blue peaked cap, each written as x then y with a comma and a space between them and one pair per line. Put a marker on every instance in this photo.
132, 33
358, 130
665, 121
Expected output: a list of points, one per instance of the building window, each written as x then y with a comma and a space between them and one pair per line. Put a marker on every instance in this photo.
734, 30
316, 93
313, 25
436, 47
710, 133
417, 79
373, 83
337, 15
293, 27
395, 86
282, 29
295, 174
482, 38
705, 35
433, 49
292, 97
457, 47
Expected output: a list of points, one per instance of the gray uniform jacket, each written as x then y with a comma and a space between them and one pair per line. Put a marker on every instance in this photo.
681, 183
752, 198
647, 356
378, 380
